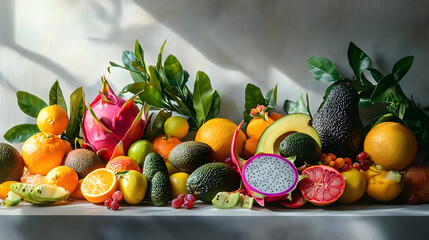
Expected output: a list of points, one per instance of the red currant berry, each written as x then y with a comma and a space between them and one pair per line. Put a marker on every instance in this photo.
362, 156
108, 202
117, 196
177, 202
190, 198
181, 196
114, 205
188, 204
413, 199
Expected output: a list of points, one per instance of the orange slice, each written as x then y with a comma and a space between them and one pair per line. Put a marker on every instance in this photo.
99, 185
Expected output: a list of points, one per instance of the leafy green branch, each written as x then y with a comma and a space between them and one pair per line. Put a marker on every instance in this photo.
253, 97
164, 86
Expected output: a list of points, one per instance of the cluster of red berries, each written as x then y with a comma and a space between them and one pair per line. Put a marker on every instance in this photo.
186, 201
113, 202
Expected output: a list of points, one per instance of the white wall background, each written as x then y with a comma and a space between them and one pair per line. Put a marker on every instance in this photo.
234, 42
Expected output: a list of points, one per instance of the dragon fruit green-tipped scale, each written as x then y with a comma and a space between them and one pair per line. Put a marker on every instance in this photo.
111, 124
267, 177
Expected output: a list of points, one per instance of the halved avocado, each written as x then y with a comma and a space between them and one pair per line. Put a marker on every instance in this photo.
274, 134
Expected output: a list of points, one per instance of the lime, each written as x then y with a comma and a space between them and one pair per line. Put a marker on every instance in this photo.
139, 150
176, 126
355, 186
178, 184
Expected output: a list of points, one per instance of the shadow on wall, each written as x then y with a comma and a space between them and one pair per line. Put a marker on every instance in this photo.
254, 36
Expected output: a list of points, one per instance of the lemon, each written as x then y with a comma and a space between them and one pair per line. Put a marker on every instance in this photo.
139, 150
178, 184
385, 186
355, 186
176, 126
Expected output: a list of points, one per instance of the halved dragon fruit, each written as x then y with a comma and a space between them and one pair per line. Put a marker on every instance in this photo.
266, 177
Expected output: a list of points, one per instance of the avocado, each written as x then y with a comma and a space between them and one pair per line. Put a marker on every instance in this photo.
274, 134
160, 189
153, 163
188, 156
209, 179
303, 146
338, 122
11, 164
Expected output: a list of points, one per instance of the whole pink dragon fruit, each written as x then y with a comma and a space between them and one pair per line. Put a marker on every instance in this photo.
111, 124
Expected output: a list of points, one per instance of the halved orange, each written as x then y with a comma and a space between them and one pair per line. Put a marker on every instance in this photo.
99, 185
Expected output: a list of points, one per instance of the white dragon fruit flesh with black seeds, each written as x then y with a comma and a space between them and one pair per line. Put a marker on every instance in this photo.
270, 176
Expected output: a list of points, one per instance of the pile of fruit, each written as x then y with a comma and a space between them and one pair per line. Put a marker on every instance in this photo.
112, 152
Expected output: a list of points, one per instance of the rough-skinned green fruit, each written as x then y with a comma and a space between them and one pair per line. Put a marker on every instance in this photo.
12, 199
225, 200
206, 181
190, 155
153, 163
40, 194
338, 122
303, 147
11, 164
160, 189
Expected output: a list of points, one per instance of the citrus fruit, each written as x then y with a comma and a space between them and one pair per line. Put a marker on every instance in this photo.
77, 193
391, 145
355, 186
11, 164
68, 146
139, 150
52, 119
42, 152
171, 169
30, 178
275, 116
122, 163
133, 186
4, 189
322, 186
218, 133
249, 148
99, 185
83, 161
178, 184
163, 144
63, 176
385, 186
176, 126
257, 126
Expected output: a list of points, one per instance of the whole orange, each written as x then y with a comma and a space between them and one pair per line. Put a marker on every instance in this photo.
122, 163
275, 116
78, 192
63, 176
256, 127
4, 189
249, 148
391, 145
68, 146
42, 152
52, 119
218, 133
163, 144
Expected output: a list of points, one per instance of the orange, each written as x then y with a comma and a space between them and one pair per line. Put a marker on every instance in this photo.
218, 133
256, 127
4, 189
42, 152
78, 192
68, 146
249, 148
52, 119
63, 176
99, 185
275, 116
391, 145
122, 163
163, 144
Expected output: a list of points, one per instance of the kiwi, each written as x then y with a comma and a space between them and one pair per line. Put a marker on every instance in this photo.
83, 161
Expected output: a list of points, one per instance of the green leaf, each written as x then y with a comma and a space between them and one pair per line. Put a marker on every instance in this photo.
149, 94
402, 109
365, 102
323, 70
377, 75
56, 96
401, 67
139, 77
252, 97
271, 98
185, 78
300, 106
202, 96
20, 133
76, 112
158, 124
173, 93
358, 60
154, 79
215, 106
30, 104
159, 61
383, 90
139, 53
127, 58
173, 71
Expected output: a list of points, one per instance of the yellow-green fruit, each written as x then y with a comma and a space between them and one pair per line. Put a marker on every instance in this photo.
385, 186
133, 186
178, 184
355, 186
171, 169
139, 150
176, 126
